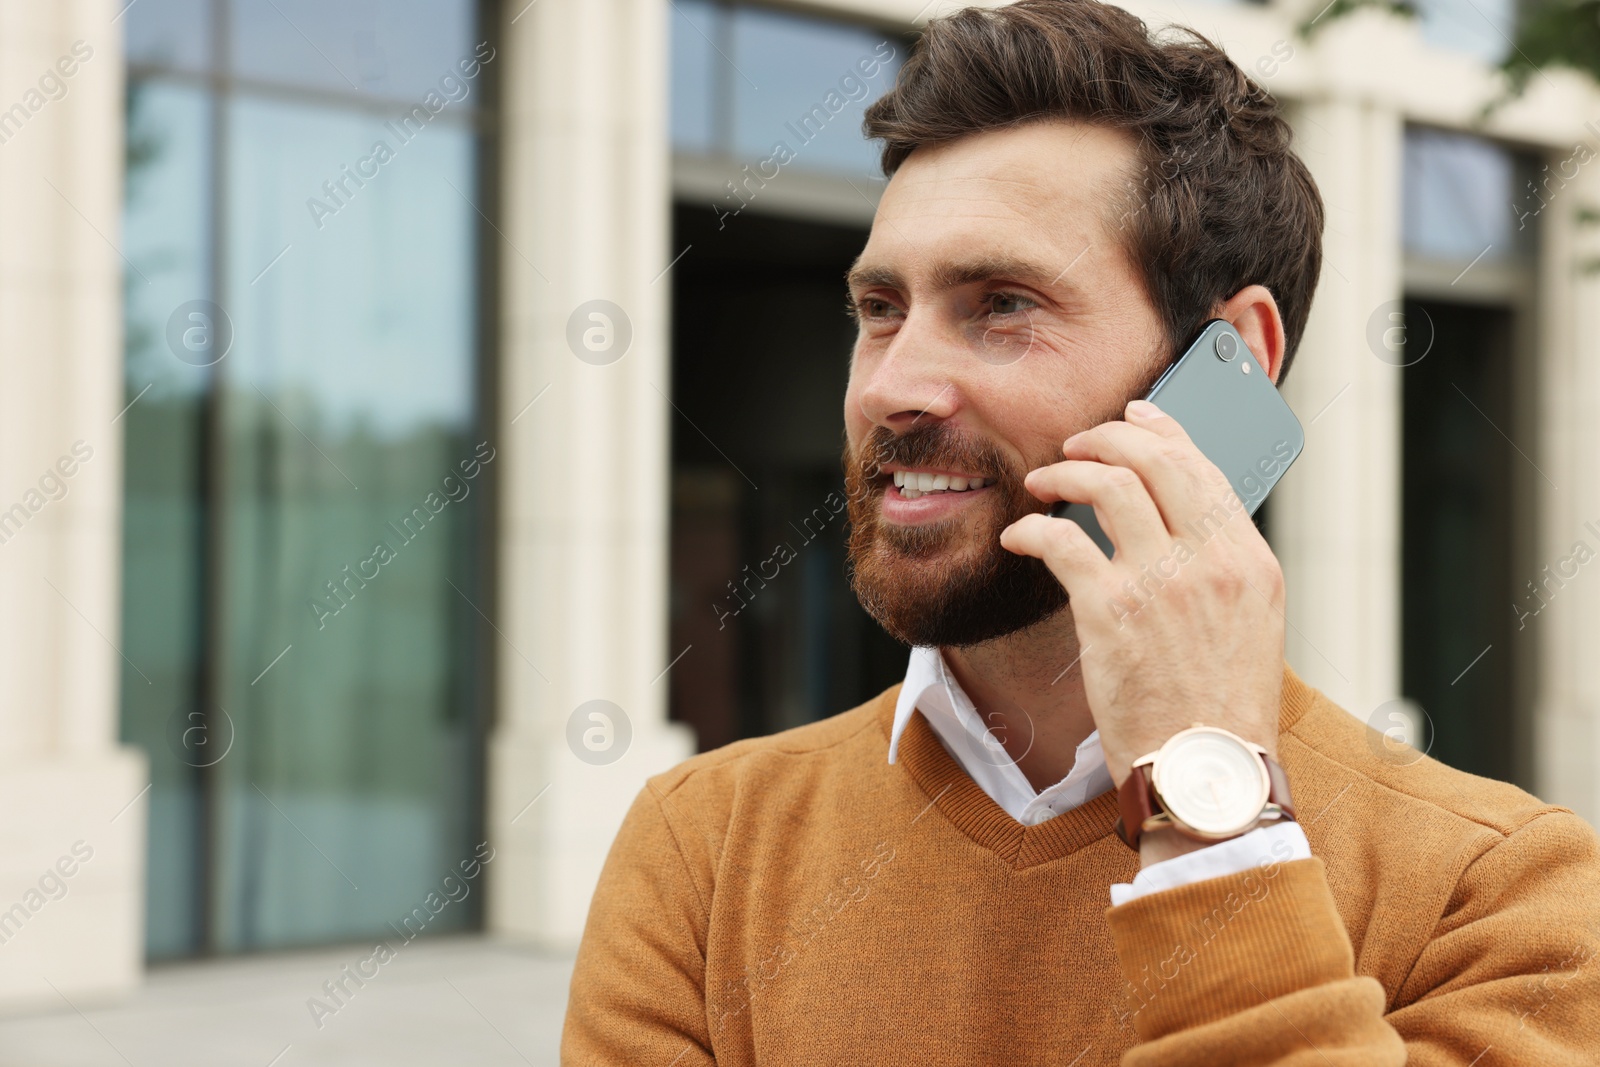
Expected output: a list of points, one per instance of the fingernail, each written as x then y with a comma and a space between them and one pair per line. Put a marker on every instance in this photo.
1145, 410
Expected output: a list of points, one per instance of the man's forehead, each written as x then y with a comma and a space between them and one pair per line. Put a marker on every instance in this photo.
1021, 203
1051, 159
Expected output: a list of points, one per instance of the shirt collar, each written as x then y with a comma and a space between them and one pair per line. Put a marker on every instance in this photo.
925, 672
931, 688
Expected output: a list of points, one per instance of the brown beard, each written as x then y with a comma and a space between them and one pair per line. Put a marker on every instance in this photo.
986, 591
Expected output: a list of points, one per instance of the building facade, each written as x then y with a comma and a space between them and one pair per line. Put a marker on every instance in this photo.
419, 424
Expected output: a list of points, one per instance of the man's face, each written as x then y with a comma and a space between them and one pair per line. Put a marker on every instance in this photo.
999, 314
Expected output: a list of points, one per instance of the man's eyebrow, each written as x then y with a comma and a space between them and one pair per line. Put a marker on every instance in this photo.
859, 277
951, 275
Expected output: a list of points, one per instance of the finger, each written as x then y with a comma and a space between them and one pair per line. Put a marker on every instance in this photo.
1219, 507
1193, 496
1065, 548
1148, 414
1120, 499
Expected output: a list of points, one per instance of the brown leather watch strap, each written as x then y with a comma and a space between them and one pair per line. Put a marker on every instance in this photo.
1278, 788
1137, 800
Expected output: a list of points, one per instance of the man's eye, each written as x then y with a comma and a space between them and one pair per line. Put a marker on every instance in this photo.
873, 308
1009, 303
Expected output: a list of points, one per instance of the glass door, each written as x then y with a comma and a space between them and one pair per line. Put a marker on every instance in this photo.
307, 466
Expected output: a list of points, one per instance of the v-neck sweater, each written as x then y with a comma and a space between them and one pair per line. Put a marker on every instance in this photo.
795, 899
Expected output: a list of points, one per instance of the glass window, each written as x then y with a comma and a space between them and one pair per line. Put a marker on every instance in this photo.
1463, 196
166, 237
694, 81
391, 48
814, 82
1460, 483
746, 80
175, 34
301, 554
1483, 28
344, 324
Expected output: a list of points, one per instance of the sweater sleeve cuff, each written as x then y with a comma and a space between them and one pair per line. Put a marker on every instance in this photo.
1280, 840
1200, 952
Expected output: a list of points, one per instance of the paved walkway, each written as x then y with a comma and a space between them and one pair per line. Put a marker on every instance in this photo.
446, 1002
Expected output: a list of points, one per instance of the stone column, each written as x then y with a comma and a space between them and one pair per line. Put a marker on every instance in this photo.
72, 839
1566, 734
1336, 517
584, 427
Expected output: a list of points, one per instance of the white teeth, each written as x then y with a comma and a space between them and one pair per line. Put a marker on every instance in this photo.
913, 484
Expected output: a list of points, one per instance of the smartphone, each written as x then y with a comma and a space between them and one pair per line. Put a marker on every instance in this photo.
1231, 411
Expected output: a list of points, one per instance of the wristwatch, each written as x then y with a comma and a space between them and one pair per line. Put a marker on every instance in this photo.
1205, 782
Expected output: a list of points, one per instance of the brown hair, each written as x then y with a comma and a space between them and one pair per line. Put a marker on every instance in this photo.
1225, 202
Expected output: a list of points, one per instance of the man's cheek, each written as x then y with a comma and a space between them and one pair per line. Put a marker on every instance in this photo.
857, 424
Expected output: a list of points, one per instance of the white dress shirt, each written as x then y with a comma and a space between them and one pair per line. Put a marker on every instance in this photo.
930, 688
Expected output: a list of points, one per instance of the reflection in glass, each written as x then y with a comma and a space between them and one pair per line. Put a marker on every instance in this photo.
304, 516
390, 48
369, 310
1460, 197
812, 82
349, 403
746, 80
175, 34
694, 81
166, 238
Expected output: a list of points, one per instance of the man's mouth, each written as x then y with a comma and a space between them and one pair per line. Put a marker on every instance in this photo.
917, 483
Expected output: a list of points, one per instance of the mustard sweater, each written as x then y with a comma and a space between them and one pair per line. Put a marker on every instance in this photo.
795, 899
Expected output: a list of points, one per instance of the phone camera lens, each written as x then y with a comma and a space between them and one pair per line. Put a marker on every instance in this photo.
1226, 346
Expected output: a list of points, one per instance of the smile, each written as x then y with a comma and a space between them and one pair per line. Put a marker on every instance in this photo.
914, 484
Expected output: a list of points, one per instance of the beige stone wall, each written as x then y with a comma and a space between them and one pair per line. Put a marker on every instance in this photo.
72, 837
1337, 520
583, 524
1566, 729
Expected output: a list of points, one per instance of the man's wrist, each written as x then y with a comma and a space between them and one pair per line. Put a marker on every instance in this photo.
1204, 785
1156, 846
1265, 848
1165, 843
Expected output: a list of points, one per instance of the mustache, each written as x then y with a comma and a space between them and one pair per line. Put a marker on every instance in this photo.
931, 444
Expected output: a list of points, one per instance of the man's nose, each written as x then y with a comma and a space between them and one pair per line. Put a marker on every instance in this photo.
916, 377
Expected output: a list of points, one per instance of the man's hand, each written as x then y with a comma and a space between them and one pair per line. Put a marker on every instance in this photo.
1185, 623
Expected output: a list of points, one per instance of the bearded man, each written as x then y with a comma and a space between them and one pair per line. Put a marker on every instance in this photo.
1007, 858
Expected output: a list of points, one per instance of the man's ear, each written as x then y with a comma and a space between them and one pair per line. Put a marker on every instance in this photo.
1254, 313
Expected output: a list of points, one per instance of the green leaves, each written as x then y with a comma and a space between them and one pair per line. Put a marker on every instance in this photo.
1554, 33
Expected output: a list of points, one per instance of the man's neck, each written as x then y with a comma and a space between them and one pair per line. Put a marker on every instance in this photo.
1028, 689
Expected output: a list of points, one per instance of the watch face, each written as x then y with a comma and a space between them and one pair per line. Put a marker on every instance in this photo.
1210, 782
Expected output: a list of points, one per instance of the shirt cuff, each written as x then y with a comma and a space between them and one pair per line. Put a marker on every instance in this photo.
1278, 842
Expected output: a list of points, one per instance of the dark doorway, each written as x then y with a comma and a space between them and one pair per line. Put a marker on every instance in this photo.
1458, 516
760, 357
